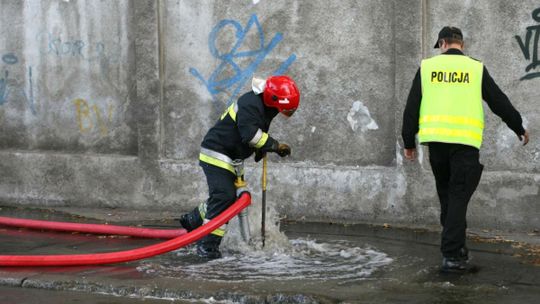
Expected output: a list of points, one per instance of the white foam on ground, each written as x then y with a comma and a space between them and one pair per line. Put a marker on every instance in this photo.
304, 259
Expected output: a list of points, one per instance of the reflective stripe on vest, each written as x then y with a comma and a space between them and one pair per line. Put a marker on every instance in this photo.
217, 159
451, 108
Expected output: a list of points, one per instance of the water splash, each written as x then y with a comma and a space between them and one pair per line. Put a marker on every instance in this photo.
280, 259
305, 260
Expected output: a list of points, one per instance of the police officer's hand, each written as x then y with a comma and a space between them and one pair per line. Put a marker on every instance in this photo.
410, 154
283, 150
259, 155
524, 138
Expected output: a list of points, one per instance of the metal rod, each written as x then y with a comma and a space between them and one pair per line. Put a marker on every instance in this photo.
263, 211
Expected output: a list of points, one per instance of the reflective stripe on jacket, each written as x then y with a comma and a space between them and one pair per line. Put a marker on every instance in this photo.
217, 159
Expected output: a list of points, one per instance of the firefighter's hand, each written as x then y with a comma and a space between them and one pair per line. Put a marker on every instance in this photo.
410, 154
283, 150
259, 155
524, 138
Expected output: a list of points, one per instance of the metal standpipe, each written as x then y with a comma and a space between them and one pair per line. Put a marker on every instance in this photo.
241, 186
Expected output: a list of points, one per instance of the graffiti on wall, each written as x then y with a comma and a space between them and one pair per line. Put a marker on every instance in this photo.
530, 45
91, 118
60, 47
9, 88
220, 80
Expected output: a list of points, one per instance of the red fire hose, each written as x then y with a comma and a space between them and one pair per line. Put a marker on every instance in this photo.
129, 255
92, 228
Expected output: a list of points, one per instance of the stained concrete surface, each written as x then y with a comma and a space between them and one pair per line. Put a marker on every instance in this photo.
328, 263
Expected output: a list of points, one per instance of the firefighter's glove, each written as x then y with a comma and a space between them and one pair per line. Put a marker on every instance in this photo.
259, 155
283, 150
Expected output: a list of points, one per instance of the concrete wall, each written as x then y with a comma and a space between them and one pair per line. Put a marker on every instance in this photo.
104, 103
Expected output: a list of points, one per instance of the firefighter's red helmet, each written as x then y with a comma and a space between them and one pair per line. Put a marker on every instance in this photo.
281, 92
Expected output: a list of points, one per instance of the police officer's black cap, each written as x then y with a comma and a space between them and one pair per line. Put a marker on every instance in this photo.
449, 32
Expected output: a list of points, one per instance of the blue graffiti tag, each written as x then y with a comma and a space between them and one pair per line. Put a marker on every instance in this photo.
527, 47
240, 76
6, 90
10, 58
76, 48
30, 98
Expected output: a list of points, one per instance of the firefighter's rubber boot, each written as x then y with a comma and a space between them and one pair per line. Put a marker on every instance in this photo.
191, 221
208, 247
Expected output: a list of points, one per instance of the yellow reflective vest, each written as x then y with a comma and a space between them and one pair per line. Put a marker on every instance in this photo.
451, 107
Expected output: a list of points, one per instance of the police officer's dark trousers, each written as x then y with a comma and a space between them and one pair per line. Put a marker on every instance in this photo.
457, 172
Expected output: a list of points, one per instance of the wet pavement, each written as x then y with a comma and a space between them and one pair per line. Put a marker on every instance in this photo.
31, 296
309, 263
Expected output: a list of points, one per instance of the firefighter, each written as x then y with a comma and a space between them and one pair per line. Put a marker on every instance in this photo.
241, 131
444, 108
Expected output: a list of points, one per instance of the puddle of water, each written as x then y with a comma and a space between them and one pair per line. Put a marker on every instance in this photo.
304, 259
281, 258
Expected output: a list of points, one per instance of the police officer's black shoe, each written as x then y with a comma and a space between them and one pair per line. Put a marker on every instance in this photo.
208, 247
454, 265
464, 253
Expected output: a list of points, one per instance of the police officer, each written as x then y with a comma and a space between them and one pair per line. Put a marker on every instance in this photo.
445, 108
240, 131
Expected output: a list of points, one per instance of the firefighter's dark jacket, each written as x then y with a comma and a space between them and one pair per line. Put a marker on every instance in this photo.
232, 138
497, 101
